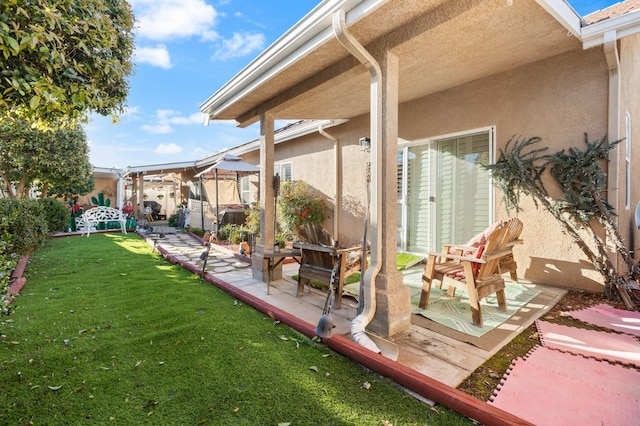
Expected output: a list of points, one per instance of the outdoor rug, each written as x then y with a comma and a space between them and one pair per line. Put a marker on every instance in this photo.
550, 387
607, 316
611, 347
455, 313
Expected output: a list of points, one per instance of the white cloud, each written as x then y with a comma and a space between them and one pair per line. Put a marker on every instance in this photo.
170, 148
209, 35
158, 128
239, 45
241, 15
157, 56
130, 112
166, 19
195, 118
165, 119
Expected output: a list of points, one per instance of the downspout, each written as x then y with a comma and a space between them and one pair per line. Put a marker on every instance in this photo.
337, 178
360, 323
610, 47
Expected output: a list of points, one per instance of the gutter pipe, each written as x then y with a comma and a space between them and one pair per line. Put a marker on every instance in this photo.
360, 323
610, 49
337, 178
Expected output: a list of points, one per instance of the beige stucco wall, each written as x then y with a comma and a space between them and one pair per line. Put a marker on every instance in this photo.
558, 99
107, 186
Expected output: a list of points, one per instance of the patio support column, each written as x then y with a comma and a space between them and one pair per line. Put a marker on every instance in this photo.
141, 194
393, 299
120, 191
267, 199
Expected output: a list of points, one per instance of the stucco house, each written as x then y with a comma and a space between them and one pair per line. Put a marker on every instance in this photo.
437, 87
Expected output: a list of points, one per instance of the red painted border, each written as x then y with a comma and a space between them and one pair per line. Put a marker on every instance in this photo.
17, 279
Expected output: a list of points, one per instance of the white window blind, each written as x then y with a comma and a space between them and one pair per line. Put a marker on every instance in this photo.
284, 170
448, 192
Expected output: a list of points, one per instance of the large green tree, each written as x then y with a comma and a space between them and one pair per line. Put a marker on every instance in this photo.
57, 160
64, 58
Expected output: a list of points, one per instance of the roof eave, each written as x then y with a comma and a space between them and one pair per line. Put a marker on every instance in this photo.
623, 25
160, 167
297, 131
313, 30
564, 14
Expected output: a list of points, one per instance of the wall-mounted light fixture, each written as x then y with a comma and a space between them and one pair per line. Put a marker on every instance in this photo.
365, 144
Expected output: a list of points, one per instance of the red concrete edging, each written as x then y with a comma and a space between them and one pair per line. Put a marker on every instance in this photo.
21, 265
17, 279
430, 388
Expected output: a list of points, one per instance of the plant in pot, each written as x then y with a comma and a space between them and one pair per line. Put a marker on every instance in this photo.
299, 204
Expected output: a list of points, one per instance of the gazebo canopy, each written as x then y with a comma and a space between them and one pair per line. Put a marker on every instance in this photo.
227, 164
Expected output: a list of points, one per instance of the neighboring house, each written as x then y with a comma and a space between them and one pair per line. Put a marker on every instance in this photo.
444, 86
108, 181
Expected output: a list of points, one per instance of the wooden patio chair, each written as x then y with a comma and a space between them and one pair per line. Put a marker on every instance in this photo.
476, 270
318, 256
508, 262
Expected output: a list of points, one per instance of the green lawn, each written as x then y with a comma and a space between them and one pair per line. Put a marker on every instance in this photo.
106, 332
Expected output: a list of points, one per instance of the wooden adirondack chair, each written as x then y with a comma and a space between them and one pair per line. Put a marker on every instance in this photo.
476, 270
508, 263
319, 255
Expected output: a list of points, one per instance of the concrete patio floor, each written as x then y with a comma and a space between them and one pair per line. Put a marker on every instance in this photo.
442, 358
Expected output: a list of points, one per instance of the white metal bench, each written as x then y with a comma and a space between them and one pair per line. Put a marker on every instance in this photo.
101, 214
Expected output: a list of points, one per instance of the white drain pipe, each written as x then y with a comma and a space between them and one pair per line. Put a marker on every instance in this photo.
360, 323
337, 178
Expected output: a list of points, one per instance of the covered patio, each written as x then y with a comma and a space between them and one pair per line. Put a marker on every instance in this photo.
377, 64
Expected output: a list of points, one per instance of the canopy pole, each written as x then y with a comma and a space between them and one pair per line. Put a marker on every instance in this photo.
217, 215
201, 204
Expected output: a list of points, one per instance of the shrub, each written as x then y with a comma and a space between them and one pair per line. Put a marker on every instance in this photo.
28, 224
7, 264
253, 218
198, 231
56, 214
173, 220
235, 234
238, 234
298, 204
223, 232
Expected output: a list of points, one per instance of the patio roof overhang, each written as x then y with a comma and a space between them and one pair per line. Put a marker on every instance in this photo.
442, 44
285, 134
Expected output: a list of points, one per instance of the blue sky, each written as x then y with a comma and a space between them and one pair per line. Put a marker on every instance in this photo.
185, 51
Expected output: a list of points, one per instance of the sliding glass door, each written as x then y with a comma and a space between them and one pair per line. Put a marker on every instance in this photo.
444, 193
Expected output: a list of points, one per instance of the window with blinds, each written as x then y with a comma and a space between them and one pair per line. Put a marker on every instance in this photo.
462, 188
444, 193
284, 170
245, 189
